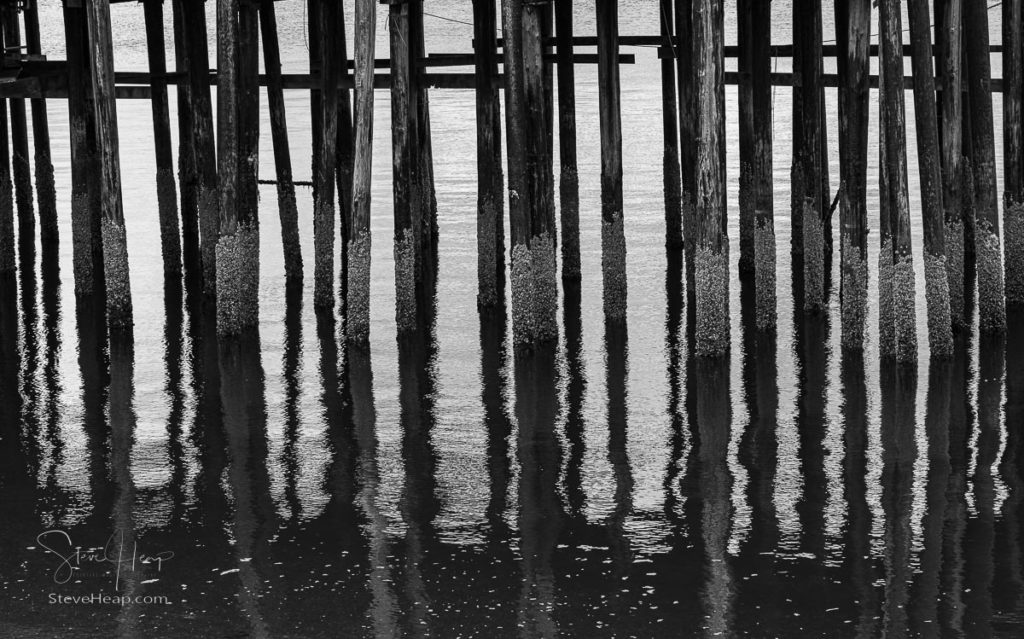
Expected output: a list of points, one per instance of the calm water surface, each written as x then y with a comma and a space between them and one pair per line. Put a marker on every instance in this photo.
611, 485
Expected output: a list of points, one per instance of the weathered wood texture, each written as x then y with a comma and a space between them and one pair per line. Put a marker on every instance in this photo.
286, 204
166, 190
519, 212
940, 337
670, 125
325, 162
538, 163
991, 305
115, 252
853, 21
896, 194
345, 150
569, 179
1013, 151
686, 73
424, 193
402, 116
763, 184
745, 24
46, 192
358, 289
188, 180
490, 180
711, 262
613, 239
248, 112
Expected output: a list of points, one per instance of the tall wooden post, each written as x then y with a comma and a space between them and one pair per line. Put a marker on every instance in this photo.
7, 261
188, 181
425, 195
204, 148
345, 163
613, 238
316, 108
542, 240
886, 310
670, 125
287, 208
687, 77
991, 305
358, 301
115, 250
45, 189
248, 111
745, 24
763, 185
569, 179
237, 242
854, 97
1013, 150
519, 199
490, 181
940, 335
891, 38
326, 163
949, 36
166, 192
808, 154
405, 238
711, 262
19, 138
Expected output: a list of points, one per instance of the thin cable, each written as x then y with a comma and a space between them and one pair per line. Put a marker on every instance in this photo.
447, 19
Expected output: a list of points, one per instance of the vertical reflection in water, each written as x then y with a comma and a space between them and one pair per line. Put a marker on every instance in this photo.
174, 384
122, 438
576, 390
616, 341
1009, 597
927, 587
981, 528
715, 490
419, 503
540, 507
384, 611
92, 364
51, 376
674, 351
812, 360
899, 452
857, 542
291, 365
242, 401
17, 480
951, 607
30, 352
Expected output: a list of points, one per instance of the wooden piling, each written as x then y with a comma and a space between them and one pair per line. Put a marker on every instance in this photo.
809, 222
1013, 151
188, 181
46, 192
313, 43
325, 162
423, 196
358, 289
949, 37
490, 181
204, 148
991, 305
542, 241
745, 61
115, 250
345, 150
940, 336
7, 251
886, 310
405, 237
764, 200
854, 18
287, 207
19, 139
686, 73
711, 262
166, 191
237, 242
613, 238
519, 211
569, 180
248, 111
891, 36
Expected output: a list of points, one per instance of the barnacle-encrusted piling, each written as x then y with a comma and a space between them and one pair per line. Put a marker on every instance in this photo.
1013, 151
115, 251
569, 180
324, 214
166, 192
896, 193
886, 308
853, 25
991, 304
940, 336
287, 208
686, 73
237, 279
613, 239
711, 262
490, 181
406, 230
